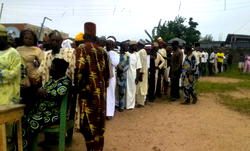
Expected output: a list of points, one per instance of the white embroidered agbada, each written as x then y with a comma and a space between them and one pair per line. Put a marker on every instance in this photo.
142, 87
114, 60
134, 64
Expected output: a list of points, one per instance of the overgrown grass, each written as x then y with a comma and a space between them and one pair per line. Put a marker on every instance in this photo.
234, 73
209, 87
242, 105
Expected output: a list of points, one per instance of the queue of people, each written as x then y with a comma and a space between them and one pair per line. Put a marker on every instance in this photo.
105, 75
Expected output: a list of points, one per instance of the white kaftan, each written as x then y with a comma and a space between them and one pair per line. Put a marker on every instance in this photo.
114, 60
134, 64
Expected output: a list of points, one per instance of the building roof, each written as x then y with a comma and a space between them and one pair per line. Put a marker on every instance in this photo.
230, 36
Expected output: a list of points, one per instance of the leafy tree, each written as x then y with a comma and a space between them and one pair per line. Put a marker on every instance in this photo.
207, 38
176, 28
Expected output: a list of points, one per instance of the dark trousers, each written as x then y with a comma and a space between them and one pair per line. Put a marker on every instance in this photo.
189, 92
203, 69
219, 66
175, 89
159, 82
151, 86
210, 68
224, 67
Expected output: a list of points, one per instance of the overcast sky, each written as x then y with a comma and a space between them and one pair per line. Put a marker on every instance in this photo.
127, 19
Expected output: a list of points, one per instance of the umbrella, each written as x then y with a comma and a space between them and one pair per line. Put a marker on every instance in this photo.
181, 42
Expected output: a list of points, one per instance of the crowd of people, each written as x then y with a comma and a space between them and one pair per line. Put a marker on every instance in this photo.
104, 74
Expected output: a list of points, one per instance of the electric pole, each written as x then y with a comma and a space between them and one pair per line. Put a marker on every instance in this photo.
40, 33
1, 11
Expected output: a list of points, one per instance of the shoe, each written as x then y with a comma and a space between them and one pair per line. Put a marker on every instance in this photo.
173, 99
194, 101
139, 106
109, 117
120, 110
185, 103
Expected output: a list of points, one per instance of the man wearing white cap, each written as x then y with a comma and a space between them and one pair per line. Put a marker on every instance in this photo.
132, 74
142, 86
114, 61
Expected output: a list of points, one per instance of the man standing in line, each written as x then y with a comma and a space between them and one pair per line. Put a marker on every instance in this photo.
142, 86
92, 76
203, 63
211, 62
188, 76
114, 61
175, 71
220, 59
122, 69
132, 74
160, 82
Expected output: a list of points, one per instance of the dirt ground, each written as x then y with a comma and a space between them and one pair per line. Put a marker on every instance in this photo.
170, 126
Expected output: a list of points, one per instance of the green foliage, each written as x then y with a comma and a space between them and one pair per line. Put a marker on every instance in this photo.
208, 87
241, 105
207, 38
234, 73
222, 89
176, 28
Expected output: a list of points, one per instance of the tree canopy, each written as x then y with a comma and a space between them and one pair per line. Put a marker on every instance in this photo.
207, 38
176, 28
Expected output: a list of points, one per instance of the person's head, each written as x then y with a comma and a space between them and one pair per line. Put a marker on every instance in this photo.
148, 48
155, 46
169, 49
162, 45
46, 42
28, 38
55, 40
124, 47
175, 45
101, 41
58, 68
110, 45
90, 32
3, 38
140, 45
132, 46
188, 50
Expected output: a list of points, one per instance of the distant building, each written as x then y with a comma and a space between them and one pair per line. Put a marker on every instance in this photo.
238, 41
211, 44
15, 29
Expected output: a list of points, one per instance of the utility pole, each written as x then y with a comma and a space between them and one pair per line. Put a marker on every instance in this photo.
1, 11
40, 33
225, 5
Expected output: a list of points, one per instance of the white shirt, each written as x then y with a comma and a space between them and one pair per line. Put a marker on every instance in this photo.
197, 55
203, 57
212, 57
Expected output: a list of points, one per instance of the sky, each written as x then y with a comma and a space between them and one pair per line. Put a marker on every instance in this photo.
127, 19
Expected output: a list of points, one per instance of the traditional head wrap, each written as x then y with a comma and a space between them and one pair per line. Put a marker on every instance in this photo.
132, 43
90, 28
3, 30
79, 37
67, 43
148, 46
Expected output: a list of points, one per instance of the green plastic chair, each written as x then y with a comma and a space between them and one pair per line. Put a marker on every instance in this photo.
66, 125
